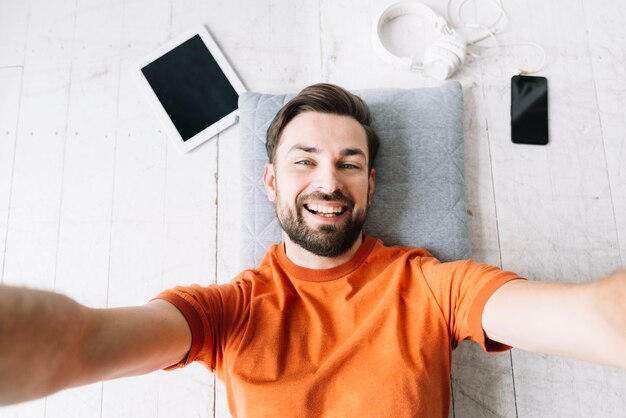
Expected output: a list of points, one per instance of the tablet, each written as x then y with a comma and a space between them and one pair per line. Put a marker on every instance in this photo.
192, 88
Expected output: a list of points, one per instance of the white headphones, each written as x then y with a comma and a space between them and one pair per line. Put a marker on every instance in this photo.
441, 59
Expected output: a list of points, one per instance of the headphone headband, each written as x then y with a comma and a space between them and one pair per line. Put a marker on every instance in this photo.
440, 60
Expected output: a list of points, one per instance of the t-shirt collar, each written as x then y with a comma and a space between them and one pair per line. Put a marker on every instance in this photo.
324, 275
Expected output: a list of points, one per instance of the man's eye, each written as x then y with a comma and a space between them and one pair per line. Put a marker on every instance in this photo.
349, 166
304, 162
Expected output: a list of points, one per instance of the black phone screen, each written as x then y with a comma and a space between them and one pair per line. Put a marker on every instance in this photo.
529, 110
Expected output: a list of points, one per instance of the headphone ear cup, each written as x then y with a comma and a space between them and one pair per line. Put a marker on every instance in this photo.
444, 57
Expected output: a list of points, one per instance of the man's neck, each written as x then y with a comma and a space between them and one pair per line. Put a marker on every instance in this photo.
303, 258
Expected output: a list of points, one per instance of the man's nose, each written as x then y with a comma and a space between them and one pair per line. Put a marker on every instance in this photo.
327, 179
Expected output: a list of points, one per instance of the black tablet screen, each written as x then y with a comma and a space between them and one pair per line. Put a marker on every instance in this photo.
192, 88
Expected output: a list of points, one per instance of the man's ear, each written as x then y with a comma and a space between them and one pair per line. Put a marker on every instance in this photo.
372, 186
269, 181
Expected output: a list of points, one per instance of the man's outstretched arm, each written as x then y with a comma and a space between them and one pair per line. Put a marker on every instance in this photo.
583, 321
49, 342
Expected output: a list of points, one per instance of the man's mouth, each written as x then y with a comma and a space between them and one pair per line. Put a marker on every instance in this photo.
325, 211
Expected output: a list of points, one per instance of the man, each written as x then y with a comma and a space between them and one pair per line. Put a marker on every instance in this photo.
332, 322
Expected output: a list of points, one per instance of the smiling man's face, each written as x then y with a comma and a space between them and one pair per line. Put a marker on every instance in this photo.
320, 182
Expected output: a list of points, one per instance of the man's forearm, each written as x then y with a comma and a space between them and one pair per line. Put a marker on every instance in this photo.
586, 321
40, 333
610, 303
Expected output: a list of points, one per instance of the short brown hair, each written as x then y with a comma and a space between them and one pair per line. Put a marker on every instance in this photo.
323, 98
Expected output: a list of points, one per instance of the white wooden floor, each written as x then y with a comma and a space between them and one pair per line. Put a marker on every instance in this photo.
96, 203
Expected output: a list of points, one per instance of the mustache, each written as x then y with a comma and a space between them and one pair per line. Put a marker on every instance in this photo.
334, 196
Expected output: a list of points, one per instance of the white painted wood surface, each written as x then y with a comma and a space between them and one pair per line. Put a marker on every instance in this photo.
96, 203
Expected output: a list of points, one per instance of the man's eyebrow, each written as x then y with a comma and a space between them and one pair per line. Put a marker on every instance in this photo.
347, 152
353, 151
299, 147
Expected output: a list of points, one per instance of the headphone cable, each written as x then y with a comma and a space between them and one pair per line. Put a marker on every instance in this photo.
491, 31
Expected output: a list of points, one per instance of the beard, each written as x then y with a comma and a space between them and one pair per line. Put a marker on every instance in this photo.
326, 240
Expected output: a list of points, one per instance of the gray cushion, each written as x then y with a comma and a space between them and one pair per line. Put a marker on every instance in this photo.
418, 200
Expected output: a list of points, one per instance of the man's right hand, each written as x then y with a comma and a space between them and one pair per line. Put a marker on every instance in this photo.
49, 342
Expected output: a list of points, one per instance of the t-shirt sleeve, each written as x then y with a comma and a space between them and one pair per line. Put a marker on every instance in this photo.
462, 289
210, 312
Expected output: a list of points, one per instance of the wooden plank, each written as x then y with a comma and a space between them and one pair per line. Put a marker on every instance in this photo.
30, 253
190, 248
163, 224
138, 219
555, 217
10, 87
84, 232
13, 27
13, 30
280, 51
190, 244
606, 34
482, 384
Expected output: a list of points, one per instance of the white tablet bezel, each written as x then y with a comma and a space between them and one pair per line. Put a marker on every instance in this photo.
217, 127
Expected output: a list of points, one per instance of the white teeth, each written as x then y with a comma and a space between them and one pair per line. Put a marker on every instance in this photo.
324, 209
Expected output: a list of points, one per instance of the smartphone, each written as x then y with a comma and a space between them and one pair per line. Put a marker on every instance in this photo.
529, 110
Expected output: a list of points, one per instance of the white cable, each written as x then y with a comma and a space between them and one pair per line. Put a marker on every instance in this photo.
493, 28
543, 56
490, 34
491, 31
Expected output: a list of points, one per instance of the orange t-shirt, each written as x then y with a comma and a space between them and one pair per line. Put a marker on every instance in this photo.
371, 337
